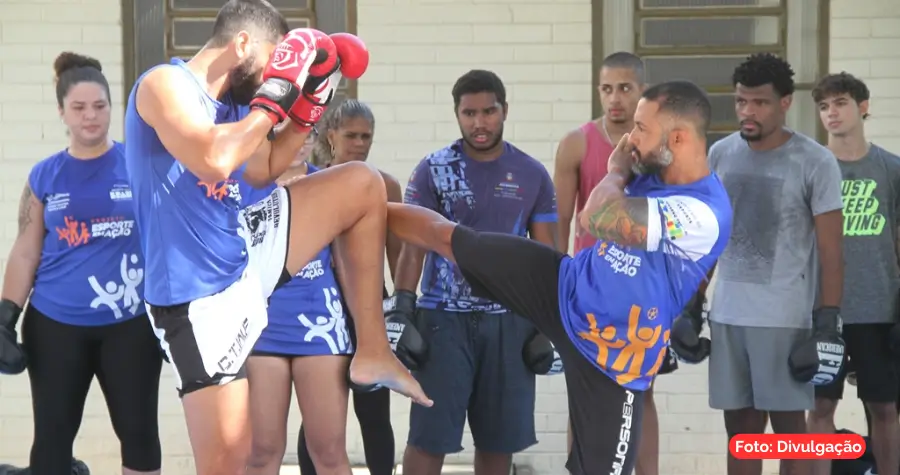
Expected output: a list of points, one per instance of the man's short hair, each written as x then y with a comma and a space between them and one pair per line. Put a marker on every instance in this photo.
476, 81
625, 60
765, 68
684, 100
840, 83
257, 17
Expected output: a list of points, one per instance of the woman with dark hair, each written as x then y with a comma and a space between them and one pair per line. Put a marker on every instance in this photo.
345, 134
305, 346
77, 263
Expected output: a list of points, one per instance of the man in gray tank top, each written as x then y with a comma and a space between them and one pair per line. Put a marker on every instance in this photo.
871, 191
784, 252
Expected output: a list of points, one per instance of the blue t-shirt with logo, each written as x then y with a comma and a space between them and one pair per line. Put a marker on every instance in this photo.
505, 195
188, 228
618, 303
91, 269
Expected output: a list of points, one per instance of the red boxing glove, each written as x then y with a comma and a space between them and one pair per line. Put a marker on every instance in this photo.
354, 59
310, 107
353, 53
302, 53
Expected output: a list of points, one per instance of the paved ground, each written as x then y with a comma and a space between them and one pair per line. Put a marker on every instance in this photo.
448, 469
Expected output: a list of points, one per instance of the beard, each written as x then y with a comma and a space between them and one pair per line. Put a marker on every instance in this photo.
244, 81
653, 162
756, 136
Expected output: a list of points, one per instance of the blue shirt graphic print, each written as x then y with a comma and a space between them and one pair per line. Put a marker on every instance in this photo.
505, 195
91, 269
618, 302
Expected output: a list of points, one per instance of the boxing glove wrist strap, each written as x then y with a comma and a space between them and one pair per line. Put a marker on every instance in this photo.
827, 319
694, 311
276, 96
305, 113
403, 301
9, 313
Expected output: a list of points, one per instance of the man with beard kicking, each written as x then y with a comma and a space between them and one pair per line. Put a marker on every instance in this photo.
609, 309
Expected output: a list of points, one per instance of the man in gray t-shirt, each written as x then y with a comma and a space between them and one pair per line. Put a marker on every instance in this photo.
785, 190
871, 190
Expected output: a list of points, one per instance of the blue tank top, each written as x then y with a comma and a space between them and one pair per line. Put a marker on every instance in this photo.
250, 195
91, 270
311, 299
618, 302
189, 229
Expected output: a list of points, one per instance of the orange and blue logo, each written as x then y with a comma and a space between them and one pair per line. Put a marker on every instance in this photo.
221, 190
74, 232
624, 355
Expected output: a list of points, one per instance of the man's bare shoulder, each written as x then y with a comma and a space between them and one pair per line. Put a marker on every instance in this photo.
572, 147
162, 84
575, 136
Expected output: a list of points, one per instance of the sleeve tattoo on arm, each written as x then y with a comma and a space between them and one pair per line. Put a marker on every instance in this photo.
622, 221
25, 209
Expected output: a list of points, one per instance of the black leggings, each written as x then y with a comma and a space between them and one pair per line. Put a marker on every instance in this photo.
62, 362
373, 411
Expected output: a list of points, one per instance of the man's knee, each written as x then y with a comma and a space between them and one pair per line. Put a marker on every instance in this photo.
418, 453
265, 452
788, 422
744, 421
366, 180
882, 411
327, 450
824, 409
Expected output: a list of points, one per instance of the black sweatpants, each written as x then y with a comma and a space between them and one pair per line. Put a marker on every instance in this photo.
62, 362
523, 275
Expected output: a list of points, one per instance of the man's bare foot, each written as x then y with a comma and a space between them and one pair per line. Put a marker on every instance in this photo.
386, 370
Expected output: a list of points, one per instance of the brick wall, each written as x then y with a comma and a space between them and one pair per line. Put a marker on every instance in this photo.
541, 50
866, 42
32, 34
419, 47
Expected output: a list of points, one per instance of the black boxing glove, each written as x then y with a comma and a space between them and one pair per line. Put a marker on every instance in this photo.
819, 359
12, 356
406, 341
686, 342
403, 302
694, 312
540, 356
